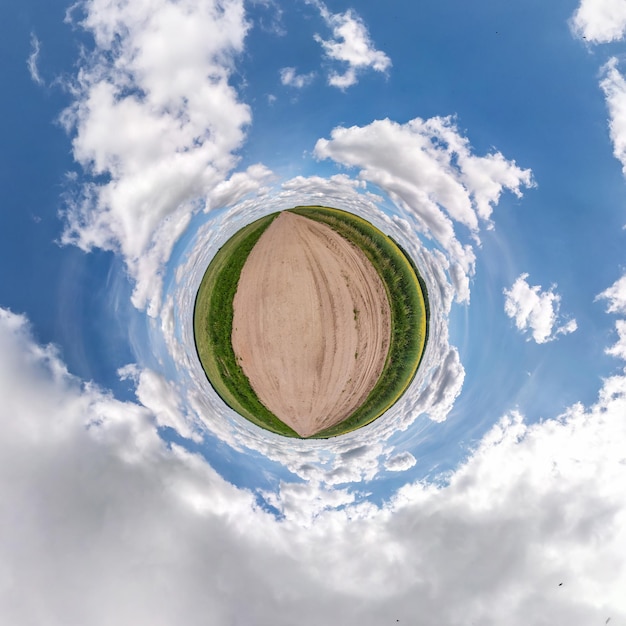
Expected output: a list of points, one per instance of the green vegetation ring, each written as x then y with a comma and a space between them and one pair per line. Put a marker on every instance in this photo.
311, 322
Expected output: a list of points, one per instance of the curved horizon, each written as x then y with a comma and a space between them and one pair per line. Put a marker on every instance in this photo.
487, 141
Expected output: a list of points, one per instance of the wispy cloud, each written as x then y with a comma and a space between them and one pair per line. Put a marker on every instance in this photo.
350, 45
536, 311
272, 20
618, 349
616, 296
614, 87
33, 59
600, 21
289, 77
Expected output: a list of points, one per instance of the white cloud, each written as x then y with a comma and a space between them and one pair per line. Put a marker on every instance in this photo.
614, 87
324, 185
239, 185
289, 77
536, 311
155, 137
302, 503
350, 45
428, 168
160, 396
400, 462
619, 349
444, 386
33, 59
616, 295
600, 21
101, 522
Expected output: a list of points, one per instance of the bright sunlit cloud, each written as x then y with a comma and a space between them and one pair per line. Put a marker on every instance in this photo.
351, 45
616, 296
600, 21
536, 311
175, 131
428, 167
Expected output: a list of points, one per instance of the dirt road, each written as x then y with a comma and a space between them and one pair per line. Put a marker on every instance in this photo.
311, 326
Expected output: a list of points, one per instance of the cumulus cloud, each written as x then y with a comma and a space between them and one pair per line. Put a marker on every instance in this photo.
33, 59
350, 45
94, 502
161, 397
155, 124
400, 462
239, 185
289, 77
536, 311
600, 21
445, 384
614, 87
428, 168
103, 522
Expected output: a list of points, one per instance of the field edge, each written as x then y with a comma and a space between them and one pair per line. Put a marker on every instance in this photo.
212, 329
406, 293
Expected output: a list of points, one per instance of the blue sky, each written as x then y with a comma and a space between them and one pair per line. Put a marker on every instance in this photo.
489, 140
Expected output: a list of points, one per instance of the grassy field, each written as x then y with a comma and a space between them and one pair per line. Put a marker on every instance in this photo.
213, 324
409, 312
422, 283
406, 291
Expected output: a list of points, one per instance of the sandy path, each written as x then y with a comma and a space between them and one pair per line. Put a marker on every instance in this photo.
311, 325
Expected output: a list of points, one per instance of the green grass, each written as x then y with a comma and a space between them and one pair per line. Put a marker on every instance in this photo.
213, 324
406, 292
408, 301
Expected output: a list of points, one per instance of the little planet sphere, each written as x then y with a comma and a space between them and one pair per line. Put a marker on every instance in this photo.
311, 322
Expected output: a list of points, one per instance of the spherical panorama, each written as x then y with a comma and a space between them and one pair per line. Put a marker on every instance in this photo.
311, 322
